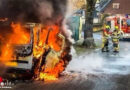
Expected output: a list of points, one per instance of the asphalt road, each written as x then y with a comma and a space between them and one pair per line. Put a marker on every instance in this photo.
92, 70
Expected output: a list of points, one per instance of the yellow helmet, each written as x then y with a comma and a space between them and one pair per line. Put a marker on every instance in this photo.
116, 27
107, 27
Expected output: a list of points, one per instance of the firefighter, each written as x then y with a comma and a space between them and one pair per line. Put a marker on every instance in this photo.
105, 39
115, 39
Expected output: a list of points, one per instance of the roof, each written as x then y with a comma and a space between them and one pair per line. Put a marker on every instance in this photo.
102, 4
124, 7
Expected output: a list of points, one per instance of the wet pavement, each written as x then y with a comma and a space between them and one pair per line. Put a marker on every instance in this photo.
90, 71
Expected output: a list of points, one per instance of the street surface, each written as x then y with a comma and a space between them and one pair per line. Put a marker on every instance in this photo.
92, 70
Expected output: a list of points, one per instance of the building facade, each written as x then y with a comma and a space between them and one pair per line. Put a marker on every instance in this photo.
117, 7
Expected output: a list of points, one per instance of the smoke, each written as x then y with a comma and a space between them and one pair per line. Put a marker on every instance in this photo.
37, 11
86, 63
67, 32
45, 10
98, 63
33, 10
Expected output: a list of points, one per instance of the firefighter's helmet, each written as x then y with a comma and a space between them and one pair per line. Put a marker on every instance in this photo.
107, 27
116, 27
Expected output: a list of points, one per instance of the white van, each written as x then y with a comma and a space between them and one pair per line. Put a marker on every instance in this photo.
24, 57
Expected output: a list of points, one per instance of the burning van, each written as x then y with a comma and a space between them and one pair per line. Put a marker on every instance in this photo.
17, 47
40, 50
24, 52
42, 46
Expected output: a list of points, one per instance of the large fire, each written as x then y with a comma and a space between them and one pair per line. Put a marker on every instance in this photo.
40, 36
46, 39
37, 41
18, 36
52, 73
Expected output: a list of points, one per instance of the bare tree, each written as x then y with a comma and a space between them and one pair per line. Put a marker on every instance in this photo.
88, 32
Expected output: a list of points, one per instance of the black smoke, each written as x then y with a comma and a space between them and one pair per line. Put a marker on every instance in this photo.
33, 10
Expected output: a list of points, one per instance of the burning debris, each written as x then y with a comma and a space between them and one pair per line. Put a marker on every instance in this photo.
41, 46
49, 44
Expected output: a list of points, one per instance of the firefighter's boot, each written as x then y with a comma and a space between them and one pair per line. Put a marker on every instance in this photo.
107, 49
105, 45
116, 47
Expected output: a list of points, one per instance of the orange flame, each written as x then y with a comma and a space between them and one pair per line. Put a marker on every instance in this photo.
52, 73
55, 43
19, 36
39, 40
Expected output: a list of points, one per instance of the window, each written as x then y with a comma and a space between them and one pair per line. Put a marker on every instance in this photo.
116, 5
